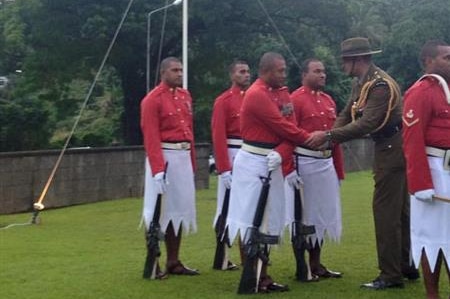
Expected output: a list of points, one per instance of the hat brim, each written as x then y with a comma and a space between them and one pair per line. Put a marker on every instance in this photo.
360, 54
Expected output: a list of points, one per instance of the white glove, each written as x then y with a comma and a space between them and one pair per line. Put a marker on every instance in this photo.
273, 160
160, 182
226, 179
425, 195
294, 180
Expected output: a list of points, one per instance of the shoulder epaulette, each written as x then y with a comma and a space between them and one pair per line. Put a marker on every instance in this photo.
156, 91
228, 94
442, 83
182, 90
327, 96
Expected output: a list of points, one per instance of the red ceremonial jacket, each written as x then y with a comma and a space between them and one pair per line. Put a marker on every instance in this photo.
426, 122
225, 123
316, 111
166, 116
267, 116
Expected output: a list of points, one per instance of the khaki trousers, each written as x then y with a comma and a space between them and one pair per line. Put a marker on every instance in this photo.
391, 212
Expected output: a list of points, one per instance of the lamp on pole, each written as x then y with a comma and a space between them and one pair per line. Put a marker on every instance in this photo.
147, 73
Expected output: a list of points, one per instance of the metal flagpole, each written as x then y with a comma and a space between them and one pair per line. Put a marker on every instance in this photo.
185, 44
149, 15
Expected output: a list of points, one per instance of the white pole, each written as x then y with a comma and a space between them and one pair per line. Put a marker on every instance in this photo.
147, 71
185, 44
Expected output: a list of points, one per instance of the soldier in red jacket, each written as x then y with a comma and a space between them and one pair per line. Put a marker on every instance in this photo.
426, 134
166, 123
268, 130
226, 137
316, 110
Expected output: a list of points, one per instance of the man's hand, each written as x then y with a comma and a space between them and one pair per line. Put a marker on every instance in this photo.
273, 160
294, 180
161, 182
316, 139
226, 179
425, 195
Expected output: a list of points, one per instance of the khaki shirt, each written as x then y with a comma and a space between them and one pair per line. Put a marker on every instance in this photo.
373, 113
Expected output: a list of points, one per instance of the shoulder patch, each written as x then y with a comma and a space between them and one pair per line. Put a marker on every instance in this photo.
409, 118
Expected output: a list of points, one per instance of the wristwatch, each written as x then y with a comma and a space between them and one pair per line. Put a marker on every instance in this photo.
328, 135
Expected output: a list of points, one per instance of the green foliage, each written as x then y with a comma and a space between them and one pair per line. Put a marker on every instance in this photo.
422, 21
59, 44
23, 124
99, 124
338, 85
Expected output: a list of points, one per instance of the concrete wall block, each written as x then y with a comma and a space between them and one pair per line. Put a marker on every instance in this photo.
97, 174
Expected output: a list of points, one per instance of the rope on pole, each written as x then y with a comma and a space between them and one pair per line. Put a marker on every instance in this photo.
39, 206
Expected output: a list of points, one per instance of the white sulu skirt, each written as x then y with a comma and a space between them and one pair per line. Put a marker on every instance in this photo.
321, 198
221, 188
245, 190
178, 203
430, 222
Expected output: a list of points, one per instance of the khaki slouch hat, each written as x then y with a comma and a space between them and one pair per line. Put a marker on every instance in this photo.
357, 46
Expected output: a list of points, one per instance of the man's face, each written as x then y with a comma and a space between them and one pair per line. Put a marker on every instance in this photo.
277, 75
173, 74
441, 63
348, 64
241, 75
315, 77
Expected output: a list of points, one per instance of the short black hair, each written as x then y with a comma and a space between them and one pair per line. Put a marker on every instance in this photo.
166, 62
266, 63
234, 63
430, 50
304, 68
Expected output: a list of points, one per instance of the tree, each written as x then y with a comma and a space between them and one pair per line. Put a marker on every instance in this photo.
59, 45
421, 21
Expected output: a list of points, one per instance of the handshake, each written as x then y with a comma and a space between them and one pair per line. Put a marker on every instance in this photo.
319, 140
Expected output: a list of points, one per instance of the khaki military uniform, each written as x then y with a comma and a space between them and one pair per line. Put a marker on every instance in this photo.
379, 114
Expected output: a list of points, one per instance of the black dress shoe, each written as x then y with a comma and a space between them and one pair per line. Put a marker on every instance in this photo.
379, 284
272, 288
231, 266
411, 274
323, 272
179, 269
267, 285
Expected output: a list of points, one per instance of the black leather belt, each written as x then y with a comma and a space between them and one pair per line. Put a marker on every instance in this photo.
386, 132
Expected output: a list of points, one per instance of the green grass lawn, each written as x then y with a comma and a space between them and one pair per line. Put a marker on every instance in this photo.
97, 251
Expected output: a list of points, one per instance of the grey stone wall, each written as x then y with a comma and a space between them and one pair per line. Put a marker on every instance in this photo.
84, 175
95, 174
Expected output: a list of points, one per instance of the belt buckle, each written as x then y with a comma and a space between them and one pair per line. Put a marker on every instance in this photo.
326, 153
447, 160
184, 145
